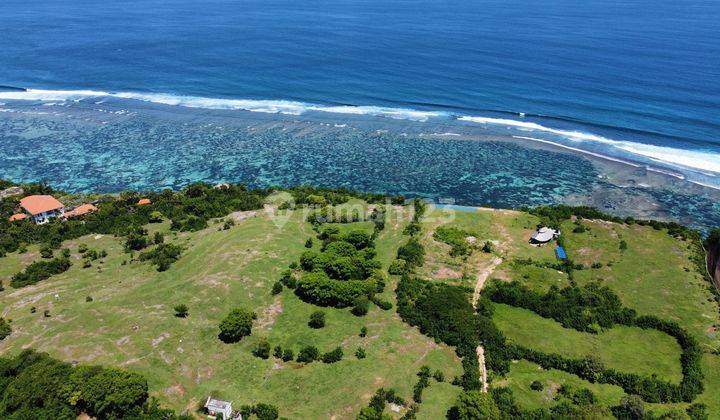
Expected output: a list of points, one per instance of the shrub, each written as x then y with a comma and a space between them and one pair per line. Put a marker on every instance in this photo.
318, 288
308, 354
162, 256
277, 288
39, 271
82, 248
309, 243
455, 238
333, 356
623, 245
412, 252
236, 325
287, 355
5, 329
472, 405
135, 242
181, 310
360, 353
262, 349
46, 251
317, 319
488, 247
536, 385
158, 238
277, 352
439, 376
288, 279
88, 299
361, 306
382, 304
397, 267
265, 411
155, 217
363, 331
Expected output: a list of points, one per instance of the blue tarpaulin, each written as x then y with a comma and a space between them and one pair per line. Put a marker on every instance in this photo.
560, 252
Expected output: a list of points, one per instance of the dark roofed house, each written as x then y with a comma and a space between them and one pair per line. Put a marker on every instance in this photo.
42, 208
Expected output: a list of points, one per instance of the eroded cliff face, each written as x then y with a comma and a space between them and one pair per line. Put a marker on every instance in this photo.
713, 262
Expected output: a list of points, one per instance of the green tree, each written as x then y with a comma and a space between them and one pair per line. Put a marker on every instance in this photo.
236, 325
308, 354
317, 319
474, 405
265, 411
277, 288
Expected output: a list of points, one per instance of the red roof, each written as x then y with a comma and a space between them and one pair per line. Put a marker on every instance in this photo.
144, 201
19, 216
81, 210
36, 204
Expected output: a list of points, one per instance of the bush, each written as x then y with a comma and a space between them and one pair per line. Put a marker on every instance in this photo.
155, 217
308, 354
472, 405
317, 319
181, 310
162, 256
360, 353
288, 279
319, 289
46, 251
412, 252
265, 411
309, 243
39, 271
5, 329
333, 356
536, 386
287, 355
439, 376
236, 325
277, 288
623, 245
363, 331
158, 238
397, 267
88, 299
262, 349
361, 306
135, 241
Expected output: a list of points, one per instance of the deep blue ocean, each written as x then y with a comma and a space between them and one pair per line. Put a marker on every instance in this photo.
635, 80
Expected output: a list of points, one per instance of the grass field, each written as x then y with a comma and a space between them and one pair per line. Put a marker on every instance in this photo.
130, 322
626, 349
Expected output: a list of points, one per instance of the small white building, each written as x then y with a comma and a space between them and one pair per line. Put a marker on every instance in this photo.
215, 407
42, 208
544, 235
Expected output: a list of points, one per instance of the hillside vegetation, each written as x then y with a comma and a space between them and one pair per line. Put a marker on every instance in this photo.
344, 304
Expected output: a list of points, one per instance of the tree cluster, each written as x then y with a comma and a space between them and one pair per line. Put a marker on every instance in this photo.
34, 385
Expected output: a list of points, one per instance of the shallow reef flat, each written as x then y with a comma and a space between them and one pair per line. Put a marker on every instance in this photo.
118, 145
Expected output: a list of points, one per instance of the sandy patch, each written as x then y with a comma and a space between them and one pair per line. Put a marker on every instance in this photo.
239, 216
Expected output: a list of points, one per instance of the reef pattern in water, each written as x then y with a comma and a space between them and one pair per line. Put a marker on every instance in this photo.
83, 150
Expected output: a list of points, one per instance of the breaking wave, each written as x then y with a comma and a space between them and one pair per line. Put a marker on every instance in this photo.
694, 159
253, 105
708, 163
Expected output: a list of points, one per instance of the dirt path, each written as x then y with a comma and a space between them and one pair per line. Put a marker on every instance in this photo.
482, 276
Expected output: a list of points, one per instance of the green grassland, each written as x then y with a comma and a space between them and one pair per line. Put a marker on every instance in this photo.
627, 349
130, 323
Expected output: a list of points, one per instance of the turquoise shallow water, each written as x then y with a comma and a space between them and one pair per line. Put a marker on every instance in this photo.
110, 146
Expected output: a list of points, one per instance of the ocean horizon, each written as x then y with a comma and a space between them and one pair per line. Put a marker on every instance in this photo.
611, 104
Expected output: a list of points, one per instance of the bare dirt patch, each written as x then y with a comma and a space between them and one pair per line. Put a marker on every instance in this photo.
270, 314
239, 216
447, 273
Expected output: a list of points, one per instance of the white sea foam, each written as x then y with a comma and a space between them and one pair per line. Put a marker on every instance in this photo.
695, 159
253, 105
